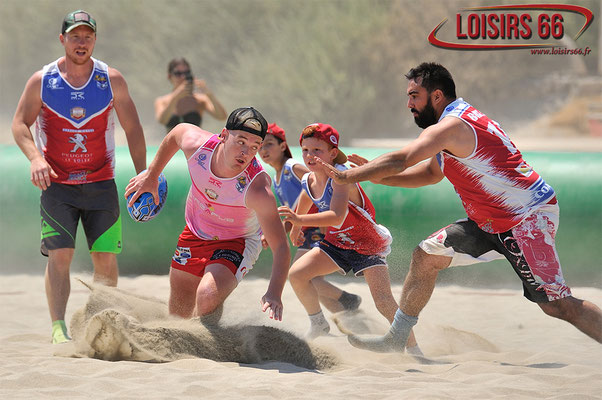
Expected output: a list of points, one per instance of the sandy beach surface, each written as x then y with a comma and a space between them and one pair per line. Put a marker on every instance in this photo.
479, 344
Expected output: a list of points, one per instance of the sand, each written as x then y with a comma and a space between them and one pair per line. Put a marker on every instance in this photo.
479, 344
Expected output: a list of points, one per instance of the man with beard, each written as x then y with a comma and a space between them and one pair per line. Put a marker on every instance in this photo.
73, 158
512, 211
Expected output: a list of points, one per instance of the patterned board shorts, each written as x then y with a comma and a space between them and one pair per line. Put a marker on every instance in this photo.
529, 247
193, 254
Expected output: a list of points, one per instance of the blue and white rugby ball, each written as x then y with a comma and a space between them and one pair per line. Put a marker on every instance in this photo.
144, 208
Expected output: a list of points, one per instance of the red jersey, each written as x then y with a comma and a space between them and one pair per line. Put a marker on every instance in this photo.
497, 187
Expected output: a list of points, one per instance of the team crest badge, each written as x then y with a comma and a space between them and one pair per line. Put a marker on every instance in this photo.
78, 112
212, 194
241, 184
101, 81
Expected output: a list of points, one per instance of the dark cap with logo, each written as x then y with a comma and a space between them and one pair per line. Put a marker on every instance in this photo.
78, 18
249, 120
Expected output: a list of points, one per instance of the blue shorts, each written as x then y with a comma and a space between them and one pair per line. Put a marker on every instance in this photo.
351, 260
313, 237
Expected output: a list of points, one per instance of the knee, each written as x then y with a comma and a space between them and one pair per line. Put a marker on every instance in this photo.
297, 275
208, 299
564, 309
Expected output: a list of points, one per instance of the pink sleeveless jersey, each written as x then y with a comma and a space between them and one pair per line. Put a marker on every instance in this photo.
497, 187
215, 207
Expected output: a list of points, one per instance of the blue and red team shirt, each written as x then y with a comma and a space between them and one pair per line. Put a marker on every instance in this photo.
359, 231
75, 127
497, 187
287, 186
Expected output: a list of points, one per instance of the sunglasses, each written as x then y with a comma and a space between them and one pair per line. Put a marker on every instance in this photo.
181, 73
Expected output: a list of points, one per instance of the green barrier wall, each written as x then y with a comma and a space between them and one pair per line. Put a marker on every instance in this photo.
410, 214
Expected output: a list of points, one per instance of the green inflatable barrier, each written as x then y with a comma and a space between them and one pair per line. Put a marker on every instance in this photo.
410, 214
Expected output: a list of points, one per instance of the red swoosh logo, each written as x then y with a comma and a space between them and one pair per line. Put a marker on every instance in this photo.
589, 17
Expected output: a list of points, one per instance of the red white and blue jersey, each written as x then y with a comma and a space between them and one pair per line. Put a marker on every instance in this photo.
75, 127
359, 231
497, 187
287, 186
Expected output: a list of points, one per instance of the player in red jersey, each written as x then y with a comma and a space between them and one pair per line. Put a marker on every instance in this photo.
512, 211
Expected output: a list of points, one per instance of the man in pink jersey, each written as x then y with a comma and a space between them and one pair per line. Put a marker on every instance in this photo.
73, 157
229, 205
512, 212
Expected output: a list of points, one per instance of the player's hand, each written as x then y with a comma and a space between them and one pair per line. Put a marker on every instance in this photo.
288, 215
339, 177
357, 160
264, 242
297, 239
41, 172
142, 183
273, 305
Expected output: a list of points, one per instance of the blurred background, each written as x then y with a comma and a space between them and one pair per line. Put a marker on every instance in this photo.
340, 62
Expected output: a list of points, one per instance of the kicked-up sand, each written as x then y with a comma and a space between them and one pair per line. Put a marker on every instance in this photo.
478, 344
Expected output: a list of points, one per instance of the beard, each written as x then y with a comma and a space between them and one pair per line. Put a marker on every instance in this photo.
426, 117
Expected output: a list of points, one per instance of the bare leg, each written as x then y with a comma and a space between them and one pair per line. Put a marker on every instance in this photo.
328, 294
58, 288
57, 282
379, 283
584, 315
216, 285
417, 290
106, 271
182, 294
314, 263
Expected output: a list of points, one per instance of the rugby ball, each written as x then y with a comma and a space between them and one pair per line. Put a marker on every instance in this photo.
144, 208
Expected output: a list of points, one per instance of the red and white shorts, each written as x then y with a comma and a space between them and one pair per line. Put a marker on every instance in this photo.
529, 246
193, 254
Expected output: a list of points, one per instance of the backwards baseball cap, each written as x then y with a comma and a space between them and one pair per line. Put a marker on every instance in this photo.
327, 134
249, 120
78, 18
278, 133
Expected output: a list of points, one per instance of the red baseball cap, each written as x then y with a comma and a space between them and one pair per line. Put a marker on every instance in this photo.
327, 134
278, 132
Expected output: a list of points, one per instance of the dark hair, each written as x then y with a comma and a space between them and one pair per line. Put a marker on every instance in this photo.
434, 76
175, 62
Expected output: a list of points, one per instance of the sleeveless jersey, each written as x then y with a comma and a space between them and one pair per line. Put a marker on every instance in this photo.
215, 207
287, 186
359, 231
497, 187
75, 127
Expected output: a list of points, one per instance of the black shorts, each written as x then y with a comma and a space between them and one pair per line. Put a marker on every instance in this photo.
350, 260
529, 247
96, 203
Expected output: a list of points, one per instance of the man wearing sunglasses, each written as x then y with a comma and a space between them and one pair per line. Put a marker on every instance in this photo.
73, 158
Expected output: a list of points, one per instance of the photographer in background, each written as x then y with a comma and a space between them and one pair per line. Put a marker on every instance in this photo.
188, 100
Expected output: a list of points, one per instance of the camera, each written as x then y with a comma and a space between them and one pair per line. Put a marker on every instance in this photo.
189, 77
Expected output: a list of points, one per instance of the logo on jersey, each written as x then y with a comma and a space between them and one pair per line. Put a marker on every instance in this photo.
77, 96
212, 194
181, 255
215, 182
241, 184
78, 176
200, 160
344, 238
79, 141
101, 81
78, 112
53, 83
